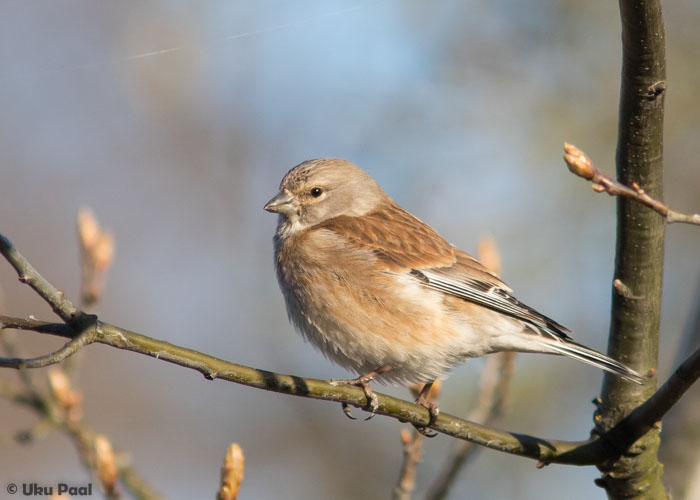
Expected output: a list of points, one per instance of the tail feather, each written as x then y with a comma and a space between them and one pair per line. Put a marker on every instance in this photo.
582, 353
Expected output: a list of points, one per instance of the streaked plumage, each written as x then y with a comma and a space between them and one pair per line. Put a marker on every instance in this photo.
370, 285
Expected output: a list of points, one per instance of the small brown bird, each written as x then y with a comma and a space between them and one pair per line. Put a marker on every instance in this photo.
382, 294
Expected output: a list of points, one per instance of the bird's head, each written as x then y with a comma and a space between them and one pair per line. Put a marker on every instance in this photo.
318, 190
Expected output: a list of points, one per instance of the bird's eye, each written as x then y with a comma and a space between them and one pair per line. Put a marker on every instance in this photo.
316, 192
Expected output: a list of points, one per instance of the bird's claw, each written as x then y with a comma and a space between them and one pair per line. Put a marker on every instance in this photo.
348, 413
372, 399
425, 431
433, 412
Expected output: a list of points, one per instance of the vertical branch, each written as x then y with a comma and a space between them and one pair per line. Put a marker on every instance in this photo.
493, 391
412, 449
412, 454
636, 304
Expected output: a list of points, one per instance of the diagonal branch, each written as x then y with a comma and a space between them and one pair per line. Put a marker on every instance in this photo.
68, 349
580, 164
61, 407
82, 323
412, 455
610, 444
63, 307
591, 452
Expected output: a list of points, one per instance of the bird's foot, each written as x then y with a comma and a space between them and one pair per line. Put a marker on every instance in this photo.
363, 382
426, 402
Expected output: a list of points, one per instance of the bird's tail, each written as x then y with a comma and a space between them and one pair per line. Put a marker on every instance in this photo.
583, 353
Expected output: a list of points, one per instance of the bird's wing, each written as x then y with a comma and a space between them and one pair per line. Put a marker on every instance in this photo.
460, 281
398, 239
407, 245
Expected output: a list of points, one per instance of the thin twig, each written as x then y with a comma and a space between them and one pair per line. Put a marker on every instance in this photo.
63, 307
13, 393
60, 411
412, 444
82, 323
495, 382
68, 349
34, 325
27, 392
412, 454
26, 376
580, 164
133, 482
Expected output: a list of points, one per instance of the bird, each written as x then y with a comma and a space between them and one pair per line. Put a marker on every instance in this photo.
382, 294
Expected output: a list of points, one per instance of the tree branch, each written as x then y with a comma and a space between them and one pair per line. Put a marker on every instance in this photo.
494, 386
412, 454
61, 408
639, 258
68, 349
610, 444
590, 452
63, 307
580, 164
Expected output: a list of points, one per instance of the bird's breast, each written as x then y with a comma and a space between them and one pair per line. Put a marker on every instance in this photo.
361, 315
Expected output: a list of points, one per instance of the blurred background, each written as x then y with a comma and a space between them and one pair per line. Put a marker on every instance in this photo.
176, 120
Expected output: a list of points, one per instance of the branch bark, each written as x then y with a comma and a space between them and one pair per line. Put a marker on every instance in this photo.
636, 301
590, 452
608, 446
63, 307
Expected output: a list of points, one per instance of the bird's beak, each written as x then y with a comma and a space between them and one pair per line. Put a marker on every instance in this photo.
282, 203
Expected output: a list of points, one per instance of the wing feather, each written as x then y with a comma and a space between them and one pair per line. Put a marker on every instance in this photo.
396, 237
408, 245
